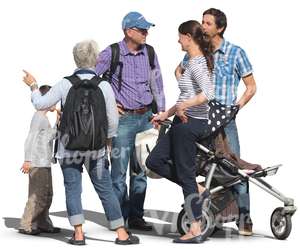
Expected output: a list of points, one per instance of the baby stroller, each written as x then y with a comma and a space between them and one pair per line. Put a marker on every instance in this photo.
221, 207
221, 174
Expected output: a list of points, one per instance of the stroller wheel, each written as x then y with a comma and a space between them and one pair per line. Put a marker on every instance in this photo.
281, 223
207, 223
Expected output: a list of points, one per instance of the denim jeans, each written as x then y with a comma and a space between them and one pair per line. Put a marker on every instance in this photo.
123, 149
98, 171
241, 190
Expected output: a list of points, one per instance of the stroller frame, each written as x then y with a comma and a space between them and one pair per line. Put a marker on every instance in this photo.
280, 221
253, 178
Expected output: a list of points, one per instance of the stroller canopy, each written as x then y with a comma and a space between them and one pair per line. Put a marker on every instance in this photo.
220, 115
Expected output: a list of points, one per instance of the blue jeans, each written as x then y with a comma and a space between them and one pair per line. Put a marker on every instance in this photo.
123, 149
241, 190
98, 171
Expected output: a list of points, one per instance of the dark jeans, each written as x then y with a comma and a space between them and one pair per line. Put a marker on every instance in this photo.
178, 145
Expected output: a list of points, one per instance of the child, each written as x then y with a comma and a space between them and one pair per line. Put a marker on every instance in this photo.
38, 153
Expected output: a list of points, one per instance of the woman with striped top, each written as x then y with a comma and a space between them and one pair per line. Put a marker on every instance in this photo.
190, 124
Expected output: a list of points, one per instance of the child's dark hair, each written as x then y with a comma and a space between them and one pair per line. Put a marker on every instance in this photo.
193, 28
44, 89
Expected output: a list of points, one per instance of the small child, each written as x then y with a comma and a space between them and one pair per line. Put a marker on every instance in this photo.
38, 154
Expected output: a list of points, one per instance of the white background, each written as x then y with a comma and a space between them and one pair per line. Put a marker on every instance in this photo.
39, 36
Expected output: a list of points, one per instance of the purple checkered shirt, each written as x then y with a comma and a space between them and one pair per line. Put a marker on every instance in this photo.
137, 77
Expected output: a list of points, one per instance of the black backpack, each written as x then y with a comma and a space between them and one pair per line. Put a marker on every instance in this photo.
84, 122
115, 62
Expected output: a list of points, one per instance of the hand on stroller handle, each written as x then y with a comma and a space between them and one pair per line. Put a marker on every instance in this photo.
166, 122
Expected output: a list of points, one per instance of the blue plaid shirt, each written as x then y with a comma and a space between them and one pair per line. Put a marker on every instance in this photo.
231, 64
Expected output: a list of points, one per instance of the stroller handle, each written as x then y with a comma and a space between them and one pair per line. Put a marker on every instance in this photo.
166, 122
203, 148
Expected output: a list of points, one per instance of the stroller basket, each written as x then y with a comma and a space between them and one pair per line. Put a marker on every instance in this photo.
225, 171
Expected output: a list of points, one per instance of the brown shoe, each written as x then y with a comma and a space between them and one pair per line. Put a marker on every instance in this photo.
246, 230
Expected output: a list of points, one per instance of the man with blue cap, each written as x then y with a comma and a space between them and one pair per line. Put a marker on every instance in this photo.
132, 68
135, 20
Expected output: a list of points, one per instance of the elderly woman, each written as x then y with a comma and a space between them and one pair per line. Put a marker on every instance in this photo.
85, 54
189, 125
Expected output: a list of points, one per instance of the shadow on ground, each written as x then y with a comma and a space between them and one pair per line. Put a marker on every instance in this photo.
164, 227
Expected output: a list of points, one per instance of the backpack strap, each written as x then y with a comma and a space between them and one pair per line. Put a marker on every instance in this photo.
151, 56
74, 79
115, 59
115, 62
95, 81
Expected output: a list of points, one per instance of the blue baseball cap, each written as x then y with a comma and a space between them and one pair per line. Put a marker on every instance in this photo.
135, 20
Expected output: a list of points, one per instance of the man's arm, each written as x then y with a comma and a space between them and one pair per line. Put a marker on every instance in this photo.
249, 92
157, 86
244, 69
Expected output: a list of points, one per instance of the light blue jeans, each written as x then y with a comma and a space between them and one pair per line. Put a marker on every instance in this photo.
123, 150
240, 191
98, 171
